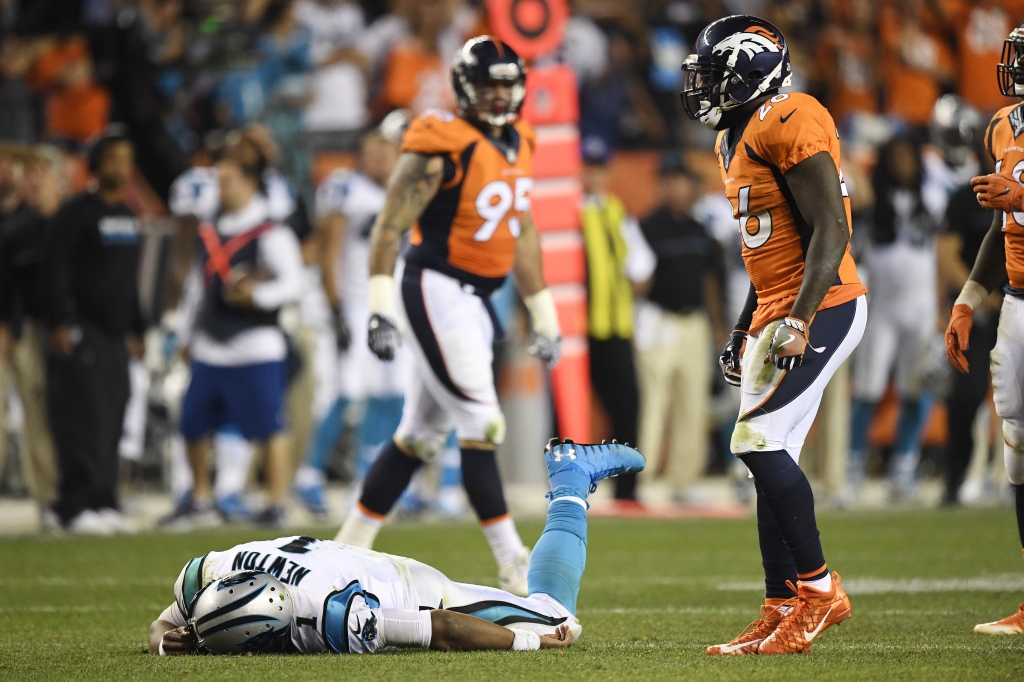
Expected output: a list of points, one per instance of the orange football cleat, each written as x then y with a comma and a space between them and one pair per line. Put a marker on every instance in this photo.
772, 613
813, 613
1011, 625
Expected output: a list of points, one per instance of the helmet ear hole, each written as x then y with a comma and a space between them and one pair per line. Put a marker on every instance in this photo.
753, 76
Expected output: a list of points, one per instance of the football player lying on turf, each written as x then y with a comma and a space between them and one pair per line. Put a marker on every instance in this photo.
298, 594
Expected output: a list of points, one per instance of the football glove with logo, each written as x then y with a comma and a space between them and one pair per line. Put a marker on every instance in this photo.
383, 337
999, 192
731, 359
788, 344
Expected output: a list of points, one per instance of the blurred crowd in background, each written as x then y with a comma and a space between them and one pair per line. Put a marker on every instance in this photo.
910, 83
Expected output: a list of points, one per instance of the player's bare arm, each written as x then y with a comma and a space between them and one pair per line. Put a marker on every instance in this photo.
819, 197
332, 229
452, 631
175, 641
988, 274
816, 189
529, 273
413, 183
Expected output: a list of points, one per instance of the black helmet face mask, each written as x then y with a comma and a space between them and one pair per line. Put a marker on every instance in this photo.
1010, 71
704, 93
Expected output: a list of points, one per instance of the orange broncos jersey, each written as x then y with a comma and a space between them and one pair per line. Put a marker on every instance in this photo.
785, 130
1003, 141
470, 227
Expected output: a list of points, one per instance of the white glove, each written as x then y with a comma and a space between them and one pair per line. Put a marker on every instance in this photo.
547, 337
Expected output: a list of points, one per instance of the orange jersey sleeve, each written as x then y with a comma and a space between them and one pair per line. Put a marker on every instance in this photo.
785, 130
1003, 139
470, 228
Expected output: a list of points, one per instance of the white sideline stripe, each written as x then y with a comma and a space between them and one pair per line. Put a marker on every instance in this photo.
1004, 582
68, 581
85, 608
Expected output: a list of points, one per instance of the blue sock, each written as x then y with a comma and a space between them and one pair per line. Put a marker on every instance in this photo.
570, 477
908, 428
380, 421
863, 411
560, 555
327, 434
451, 462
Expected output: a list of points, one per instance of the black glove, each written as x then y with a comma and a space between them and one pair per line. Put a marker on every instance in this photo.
548, 350
731, 359
342, 334
383, 337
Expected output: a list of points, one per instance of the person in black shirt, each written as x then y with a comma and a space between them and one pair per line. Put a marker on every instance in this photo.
22, 240
966, 225
676, 326
95, 320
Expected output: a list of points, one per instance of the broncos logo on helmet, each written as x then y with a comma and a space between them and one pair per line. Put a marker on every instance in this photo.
736, 59
750, 43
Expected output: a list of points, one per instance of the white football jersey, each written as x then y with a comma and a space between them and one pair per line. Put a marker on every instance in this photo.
941, 180
333, 588
359, 199
196, 193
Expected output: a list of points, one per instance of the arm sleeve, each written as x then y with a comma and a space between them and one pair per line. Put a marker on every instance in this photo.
747, 314
62, 244
280, 254
396, 627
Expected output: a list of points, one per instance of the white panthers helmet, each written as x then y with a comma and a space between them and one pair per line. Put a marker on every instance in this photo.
243, 612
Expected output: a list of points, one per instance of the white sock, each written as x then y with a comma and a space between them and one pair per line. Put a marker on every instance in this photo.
360, 528
233, 455
181, 470
821, 584
503, 538
570, 498
308, 477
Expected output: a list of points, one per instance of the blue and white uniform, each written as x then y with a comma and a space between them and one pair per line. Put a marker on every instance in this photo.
339, 591
359, 199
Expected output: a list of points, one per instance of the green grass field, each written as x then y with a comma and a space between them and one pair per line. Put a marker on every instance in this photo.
655, 594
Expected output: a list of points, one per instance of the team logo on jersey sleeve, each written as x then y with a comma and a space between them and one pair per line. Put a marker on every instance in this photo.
1016, 119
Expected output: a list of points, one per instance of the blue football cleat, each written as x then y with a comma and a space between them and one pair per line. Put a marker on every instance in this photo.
567, 459
312, 497
233, 508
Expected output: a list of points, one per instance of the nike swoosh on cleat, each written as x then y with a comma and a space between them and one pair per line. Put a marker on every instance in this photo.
818, 350
787, 341
809, 636
729, 648
785, 118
